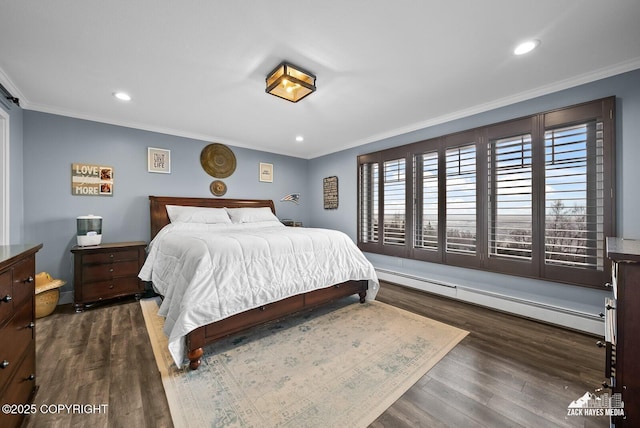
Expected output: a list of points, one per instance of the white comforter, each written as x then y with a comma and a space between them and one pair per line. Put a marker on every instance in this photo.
207, 272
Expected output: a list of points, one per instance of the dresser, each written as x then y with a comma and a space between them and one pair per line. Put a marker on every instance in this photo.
622, 328
17, 330
107, 271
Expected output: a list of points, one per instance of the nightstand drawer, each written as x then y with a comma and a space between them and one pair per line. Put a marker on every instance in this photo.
23, 280
109, 257
95, 291
16, 336
110, 270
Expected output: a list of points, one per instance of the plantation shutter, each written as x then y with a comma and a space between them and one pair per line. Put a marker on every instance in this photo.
394, 197
510, 198
461, 199
574, 196
426, 206
368, 202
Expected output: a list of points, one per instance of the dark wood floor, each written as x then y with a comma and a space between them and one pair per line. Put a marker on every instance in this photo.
507, 372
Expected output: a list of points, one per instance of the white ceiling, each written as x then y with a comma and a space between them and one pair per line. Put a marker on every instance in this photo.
197, 68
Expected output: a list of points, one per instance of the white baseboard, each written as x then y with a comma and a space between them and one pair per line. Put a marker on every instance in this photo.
565, 317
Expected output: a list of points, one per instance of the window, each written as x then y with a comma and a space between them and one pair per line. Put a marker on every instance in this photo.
510, 197
533, 196
461, 200
426, 201
394, 202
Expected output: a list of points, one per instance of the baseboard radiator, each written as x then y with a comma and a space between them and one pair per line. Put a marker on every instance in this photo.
566, 317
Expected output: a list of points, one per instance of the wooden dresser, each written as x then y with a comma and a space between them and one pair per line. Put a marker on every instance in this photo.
623, 328
17, 331
107, 271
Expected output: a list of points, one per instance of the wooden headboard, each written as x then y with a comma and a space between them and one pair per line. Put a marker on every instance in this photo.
160, 218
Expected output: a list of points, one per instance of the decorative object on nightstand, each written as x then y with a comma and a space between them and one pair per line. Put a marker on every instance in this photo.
17, 330
47, 294
107, 271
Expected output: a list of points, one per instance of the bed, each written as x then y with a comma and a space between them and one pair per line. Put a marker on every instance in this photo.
198, 266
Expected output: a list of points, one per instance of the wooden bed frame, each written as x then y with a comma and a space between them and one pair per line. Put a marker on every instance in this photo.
210, 333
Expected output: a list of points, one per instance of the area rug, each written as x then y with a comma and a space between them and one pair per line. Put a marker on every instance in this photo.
341, 365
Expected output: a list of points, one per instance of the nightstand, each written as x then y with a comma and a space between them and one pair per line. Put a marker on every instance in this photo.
107, 271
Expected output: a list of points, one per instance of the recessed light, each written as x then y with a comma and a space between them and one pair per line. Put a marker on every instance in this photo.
526, 47
122, 96
299, 138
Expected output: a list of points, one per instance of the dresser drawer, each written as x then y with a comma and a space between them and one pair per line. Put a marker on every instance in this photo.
107, 271
16, 336
20, 388
6, 308
95, 291
23, 280
111, 256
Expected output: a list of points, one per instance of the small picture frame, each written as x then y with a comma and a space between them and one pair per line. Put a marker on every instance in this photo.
158, 160
266, 172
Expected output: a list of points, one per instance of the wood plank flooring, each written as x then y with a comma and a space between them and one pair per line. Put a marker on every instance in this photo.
507, 372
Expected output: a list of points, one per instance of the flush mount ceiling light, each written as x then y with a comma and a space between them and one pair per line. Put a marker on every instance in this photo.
290, 82
526, 47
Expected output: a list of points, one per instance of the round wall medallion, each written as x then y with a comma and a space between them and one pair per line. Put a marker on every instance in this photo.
218, 188
218, 160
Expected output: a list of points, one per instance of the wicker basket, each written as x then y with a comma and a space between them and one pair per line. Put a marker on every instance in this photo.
47, 294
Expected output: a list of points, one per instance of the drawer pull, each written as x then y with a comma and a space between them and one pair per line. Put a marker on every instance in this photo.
7, 298
111, 287
111, 255
31, 377
263, 308
600, 344
32, 325
601, 315
111, 270
4, 364
28, 280
607, 284
609, 307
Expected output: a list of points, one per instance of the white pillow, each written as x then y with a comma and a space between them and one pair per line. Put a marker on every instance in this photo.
181, 214
251, 215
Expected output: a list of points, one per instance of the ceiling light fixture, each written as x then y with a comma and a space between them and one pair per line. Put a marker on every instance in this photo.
122, 96
526, 47
299, 138
290, 82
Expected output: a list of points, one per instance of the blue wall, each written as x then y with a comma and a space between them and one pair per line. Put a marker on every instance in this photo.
626, 87
52, 143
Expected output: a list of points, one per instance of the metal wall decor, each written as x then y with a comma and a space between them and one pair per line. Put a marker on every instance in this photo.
330, 192
218, 160
218, 188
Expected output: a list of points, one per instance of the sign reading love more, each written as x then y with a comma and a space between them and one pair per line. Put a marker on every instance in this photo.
91, 180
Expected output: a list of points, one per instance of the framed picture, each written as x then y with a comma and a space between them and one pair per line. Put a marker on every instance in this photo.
91, 180
158, 160
330, 192
266, 172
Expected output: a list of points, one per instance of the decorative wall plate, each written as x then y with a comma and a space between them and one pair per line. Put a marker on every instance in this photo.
218, 160
218, 188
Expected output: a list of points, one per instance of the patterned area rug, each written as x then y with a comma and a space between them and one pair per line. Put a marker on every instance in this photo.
338, 366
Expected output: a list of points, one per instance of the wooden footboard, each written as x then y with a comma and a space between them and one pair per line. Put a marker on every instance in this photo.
200, 337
